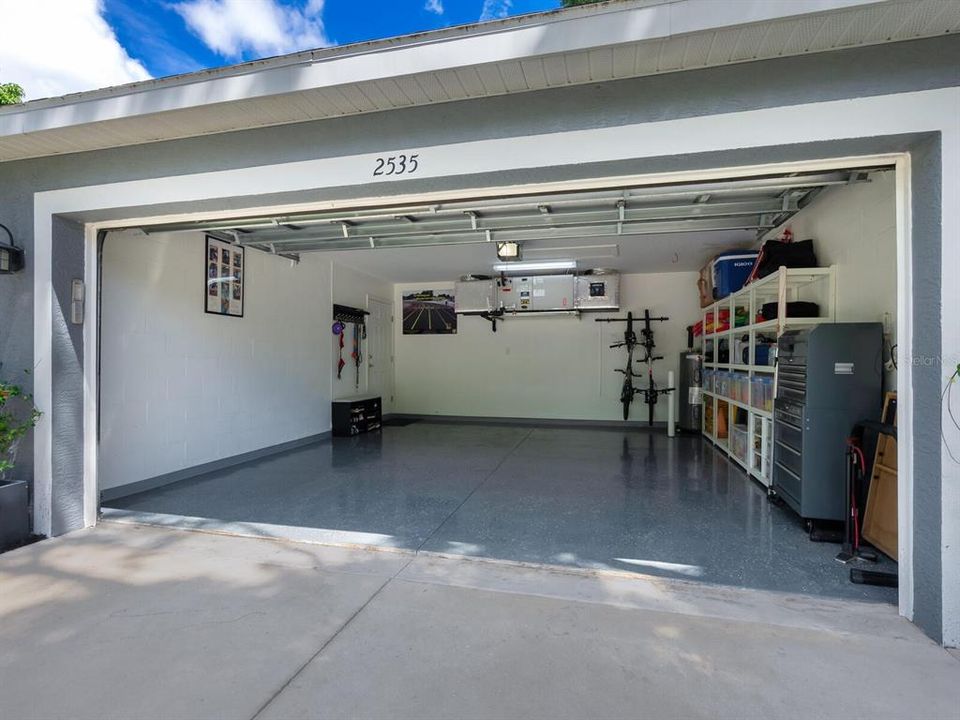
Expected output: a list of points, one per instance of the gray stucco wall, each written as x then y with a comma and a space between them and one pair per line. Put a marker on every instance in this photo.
16, 304
927, 373
901, 67
67, 413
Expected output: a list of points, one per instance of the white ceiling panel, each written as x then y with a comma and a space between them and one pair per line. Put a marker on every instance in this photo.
624, 61
671, 55
861, 24
578, 67
374, 91
414, 92
697, 49
358, 98
513, 79
330, 101
492, 79
601, 64
748, 43
534, 73
647, 58
394, 93
443, 86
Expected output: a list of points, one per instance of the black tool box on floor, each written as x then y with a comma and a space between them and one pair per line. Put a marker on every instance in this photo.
355, 415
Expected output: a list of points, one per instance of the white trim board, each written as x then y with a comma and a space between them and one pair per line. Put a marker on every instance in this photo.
863, 117
928, 111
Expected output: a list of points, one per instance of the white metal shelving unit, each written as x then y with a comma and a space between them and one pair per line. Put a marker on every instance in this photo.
785, 285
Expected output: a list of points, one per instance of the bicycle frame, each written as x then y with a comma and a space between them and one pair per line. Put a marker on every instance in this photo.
651, 393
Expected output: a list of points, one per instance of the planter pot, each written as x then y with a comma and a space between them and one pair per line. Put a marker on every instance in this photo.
14, 515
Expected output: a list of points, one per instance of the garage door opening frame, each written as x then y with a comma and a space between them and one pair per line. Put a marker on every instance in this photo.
927, 112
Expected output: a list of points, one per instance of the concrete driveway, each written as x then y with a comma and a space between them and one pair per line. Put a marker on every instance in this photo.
134, 622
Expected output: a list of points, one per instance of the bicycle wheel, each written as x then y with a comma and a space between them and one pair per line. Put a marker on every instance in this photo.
626, 396
651, 399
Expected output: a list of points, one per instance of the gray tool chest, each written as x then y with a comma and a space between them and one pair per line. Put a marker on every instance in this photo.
829, 378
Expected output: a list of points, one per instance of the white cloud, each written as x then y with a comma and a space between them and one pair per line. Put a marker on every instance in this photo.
434, 6
51, 48
237, 29
495, 9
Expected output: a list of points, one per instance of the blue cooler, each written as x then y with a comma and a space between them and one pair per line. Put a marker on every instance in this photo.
730, 271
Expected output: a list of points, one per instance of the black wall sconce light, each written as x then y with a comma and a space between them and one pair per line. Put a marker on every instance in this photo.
11, 256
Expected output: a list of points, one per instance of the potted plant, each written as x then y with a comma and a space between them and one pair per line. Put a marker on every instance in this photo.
17, 417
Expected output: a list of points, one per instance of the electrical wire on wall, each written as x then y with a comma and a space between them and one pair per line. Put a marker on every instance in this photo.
946, 398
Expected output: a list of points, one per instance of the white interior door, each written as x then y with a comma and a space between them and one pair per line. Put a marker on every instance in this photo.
380, 350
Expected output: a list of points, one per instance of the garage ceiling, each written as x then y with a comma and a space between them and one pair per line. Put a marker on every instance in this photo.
676, 252
634, 229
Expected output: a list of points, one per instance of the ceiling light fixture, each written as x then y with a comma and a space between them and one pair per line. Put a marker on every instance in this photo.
509, 251
545, 265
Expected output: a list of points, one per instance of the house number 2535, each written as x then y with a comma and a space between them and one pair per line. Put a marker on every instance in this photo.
397, 165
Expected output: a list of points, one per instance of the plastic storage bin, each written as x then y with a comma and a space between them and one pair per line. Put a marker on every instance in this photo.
723, 384
739, 442
730, 271
761, 393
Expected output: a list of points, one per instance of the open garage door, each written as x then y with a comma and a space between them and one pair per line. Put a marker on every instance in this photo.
508, 446
747, 205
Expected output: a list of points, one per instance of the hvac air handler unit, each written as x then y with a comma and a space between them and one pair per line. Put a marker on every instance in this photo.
537, 293
596, 291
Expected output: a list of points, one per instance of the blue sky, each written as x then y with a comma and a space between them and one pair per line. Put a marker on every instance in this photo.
161, 36
55, 47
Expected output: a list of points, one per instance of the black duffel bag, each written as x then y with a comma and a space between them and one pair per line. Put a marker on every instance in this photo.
776, 254
797, 309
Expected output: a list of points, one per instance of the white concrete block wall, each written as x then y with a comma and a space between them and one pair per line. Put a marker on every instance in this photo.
180, 387
544, 367
855, 228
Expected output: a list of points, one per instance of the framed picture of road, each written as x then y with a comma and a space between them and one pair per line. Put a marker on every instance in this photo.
429, 312
224, 270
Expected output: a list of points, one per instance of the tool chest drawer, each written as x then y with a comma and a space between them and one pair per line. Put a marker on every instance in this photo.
789, 435
789, 457
788, 485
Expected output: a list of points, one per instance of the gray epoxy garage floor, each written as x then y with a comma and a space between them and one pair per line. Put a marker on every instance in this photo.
630, 501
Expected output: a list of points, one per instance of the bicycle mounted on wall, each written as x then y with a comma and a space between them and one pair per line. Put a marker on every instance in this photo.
651, 393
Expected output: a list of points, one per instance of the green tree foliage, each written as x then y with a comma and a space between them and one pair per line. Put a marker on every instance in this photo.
10, 94
17, 417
